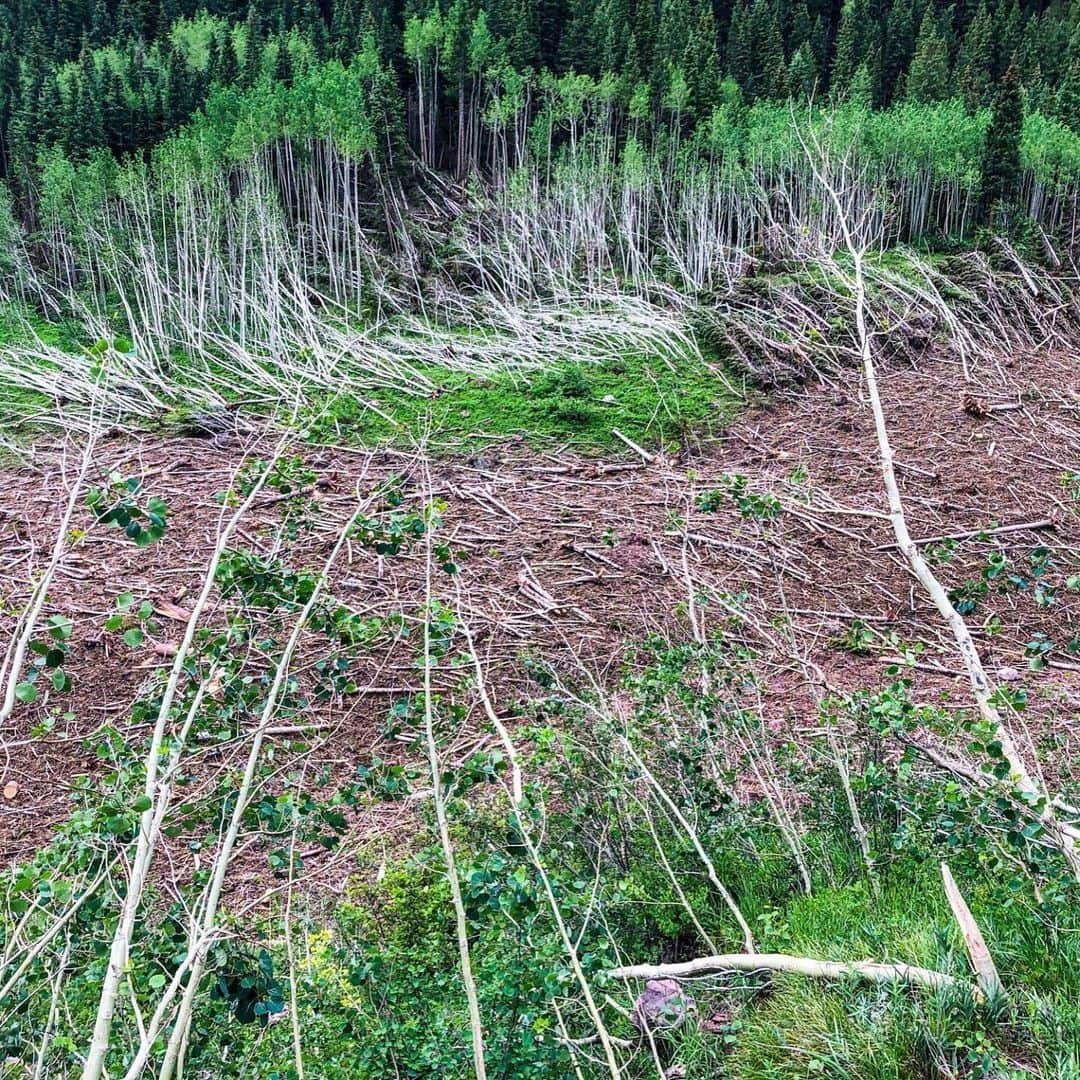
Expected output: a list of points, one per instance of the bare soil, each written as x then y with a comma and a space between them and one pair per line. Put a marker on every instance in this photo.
573, 559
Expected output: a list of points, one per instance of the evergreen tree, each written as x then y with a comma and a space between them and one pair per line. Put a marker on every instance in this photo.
82, 128
579, 49
346, 27
226, 71
819, 44
1001, 155
101, 24
899, 47
928, 77
802, 74
974, 70
760, 54
283, 72
860, 90
115, 115
68, 28
703, 64
253, 53
1010, 38
740, 63
673, 35
1067, 99
852, 43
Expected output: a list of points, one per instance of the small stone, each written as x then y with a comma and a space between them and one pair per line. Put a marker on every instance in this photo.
11, 789
662, 1006
1008, 674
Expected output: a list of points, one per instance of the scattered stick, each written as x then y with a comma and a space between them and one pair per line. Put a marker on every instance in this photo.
966, 534
981, 960
633, 445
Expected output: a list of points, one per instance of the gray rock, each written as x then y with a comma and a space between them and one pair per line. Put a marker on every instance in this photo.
663, 1006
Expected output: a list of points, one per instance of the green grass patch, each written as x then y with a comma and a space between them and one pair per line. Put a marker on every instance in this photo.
652, 401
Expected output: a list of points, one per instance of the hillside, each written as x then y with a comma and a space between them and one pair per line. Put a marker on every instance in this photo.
539, 539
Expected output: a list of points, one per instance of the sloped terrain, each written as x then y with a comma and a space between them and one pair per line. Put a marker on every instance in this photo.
572, 560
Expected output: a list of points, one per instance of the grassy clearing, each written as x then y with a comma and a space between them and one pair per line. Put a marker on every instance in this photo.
653, 402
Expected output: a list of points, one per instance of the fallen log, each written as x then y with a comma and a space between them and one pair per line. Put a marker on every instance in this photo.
868, 970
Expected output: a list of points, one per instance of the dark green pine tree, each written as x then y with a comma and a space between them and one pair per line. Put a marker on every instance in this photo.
179, 90
49, 115
740, 61
68, 29
899, 47
137, 18
1030, 66
755, 58
645, 32
523, 45
703, 64
115, 114
253, 52
974, 76
346, 27
615, 26
24, 133
1054, 34
82, 127
1010, 39
928, 76
802, 74
579, 47
9, 92
819, 43
1001, 153
852, 44
283, 69
102, 25
551, 17
1067, 99
388, 118
767, 47
673, 33
226, 70
799, 28
151, 111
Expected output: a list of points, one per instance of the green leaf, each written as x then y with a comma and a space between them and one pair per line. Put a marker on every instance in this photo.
26, 693
141, 804
134, 637
156, 981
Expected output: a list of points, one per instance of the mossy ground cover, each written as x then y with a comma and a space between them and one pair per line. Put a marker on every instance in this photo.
654, 402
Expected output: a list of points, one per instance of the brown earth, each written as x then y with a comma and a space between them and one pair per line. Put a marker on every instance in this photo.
572, 559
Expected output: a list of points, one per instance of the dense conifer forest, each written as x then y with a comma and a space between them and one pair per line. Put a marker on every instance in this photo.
464, 85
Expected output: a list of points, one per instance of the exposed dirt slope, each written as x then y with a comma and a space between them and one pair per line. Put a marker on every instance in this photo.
572, 559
